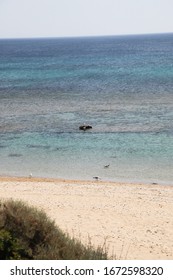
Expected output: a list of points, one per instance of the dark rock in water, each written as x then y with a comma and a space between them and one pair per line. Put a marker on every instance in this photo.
15, 155
2, 146
31, 146
85, 127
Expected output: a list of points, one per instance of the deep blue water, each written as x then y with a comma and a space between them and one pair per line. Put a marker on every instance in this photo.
122, 86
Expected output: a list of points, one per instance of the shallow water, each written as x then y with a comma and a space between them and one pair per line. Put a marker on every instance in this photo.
122, 86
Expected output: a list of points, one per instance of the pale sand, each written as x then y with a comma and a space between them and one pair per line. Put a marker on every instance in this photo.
136, 220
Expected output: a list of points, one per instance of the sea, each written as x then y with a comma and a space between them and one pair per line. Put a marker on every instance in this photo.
120, 85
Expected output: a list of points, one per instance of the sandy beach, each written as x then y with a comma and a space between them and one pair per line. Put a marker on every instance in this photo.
134, 220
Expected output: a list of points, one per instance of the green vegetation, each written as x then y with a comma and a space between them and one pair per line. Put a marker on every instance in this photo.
28, 234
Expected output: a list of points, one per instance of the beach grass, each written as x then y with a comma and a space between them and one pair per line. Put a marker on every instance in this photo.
28, 234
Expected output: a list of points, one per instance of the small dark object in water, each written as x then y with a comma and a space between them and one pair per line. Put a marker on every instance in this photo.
85, 126
15, 155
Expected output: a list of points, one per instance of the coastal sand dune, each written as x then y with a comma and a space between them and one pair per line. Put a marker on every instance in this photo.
134, 220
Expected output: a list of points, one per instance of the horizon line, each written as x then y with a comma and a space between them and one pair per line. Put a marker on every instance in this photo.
83, 36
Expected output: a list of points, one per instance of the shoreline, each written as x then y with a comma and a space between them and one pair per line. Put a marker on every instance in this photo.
83, 181
135, 220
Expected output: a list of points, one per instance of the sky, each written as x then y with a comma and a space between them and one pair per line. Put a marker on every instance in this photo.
68, 18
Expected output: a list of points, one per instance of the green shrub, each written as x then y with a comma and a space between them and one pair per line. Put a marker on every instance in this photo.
26, 233
10, 248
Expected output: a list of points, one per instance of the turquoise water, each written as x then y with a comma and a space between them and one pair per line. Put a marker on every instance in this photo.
133, 156
122, 86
